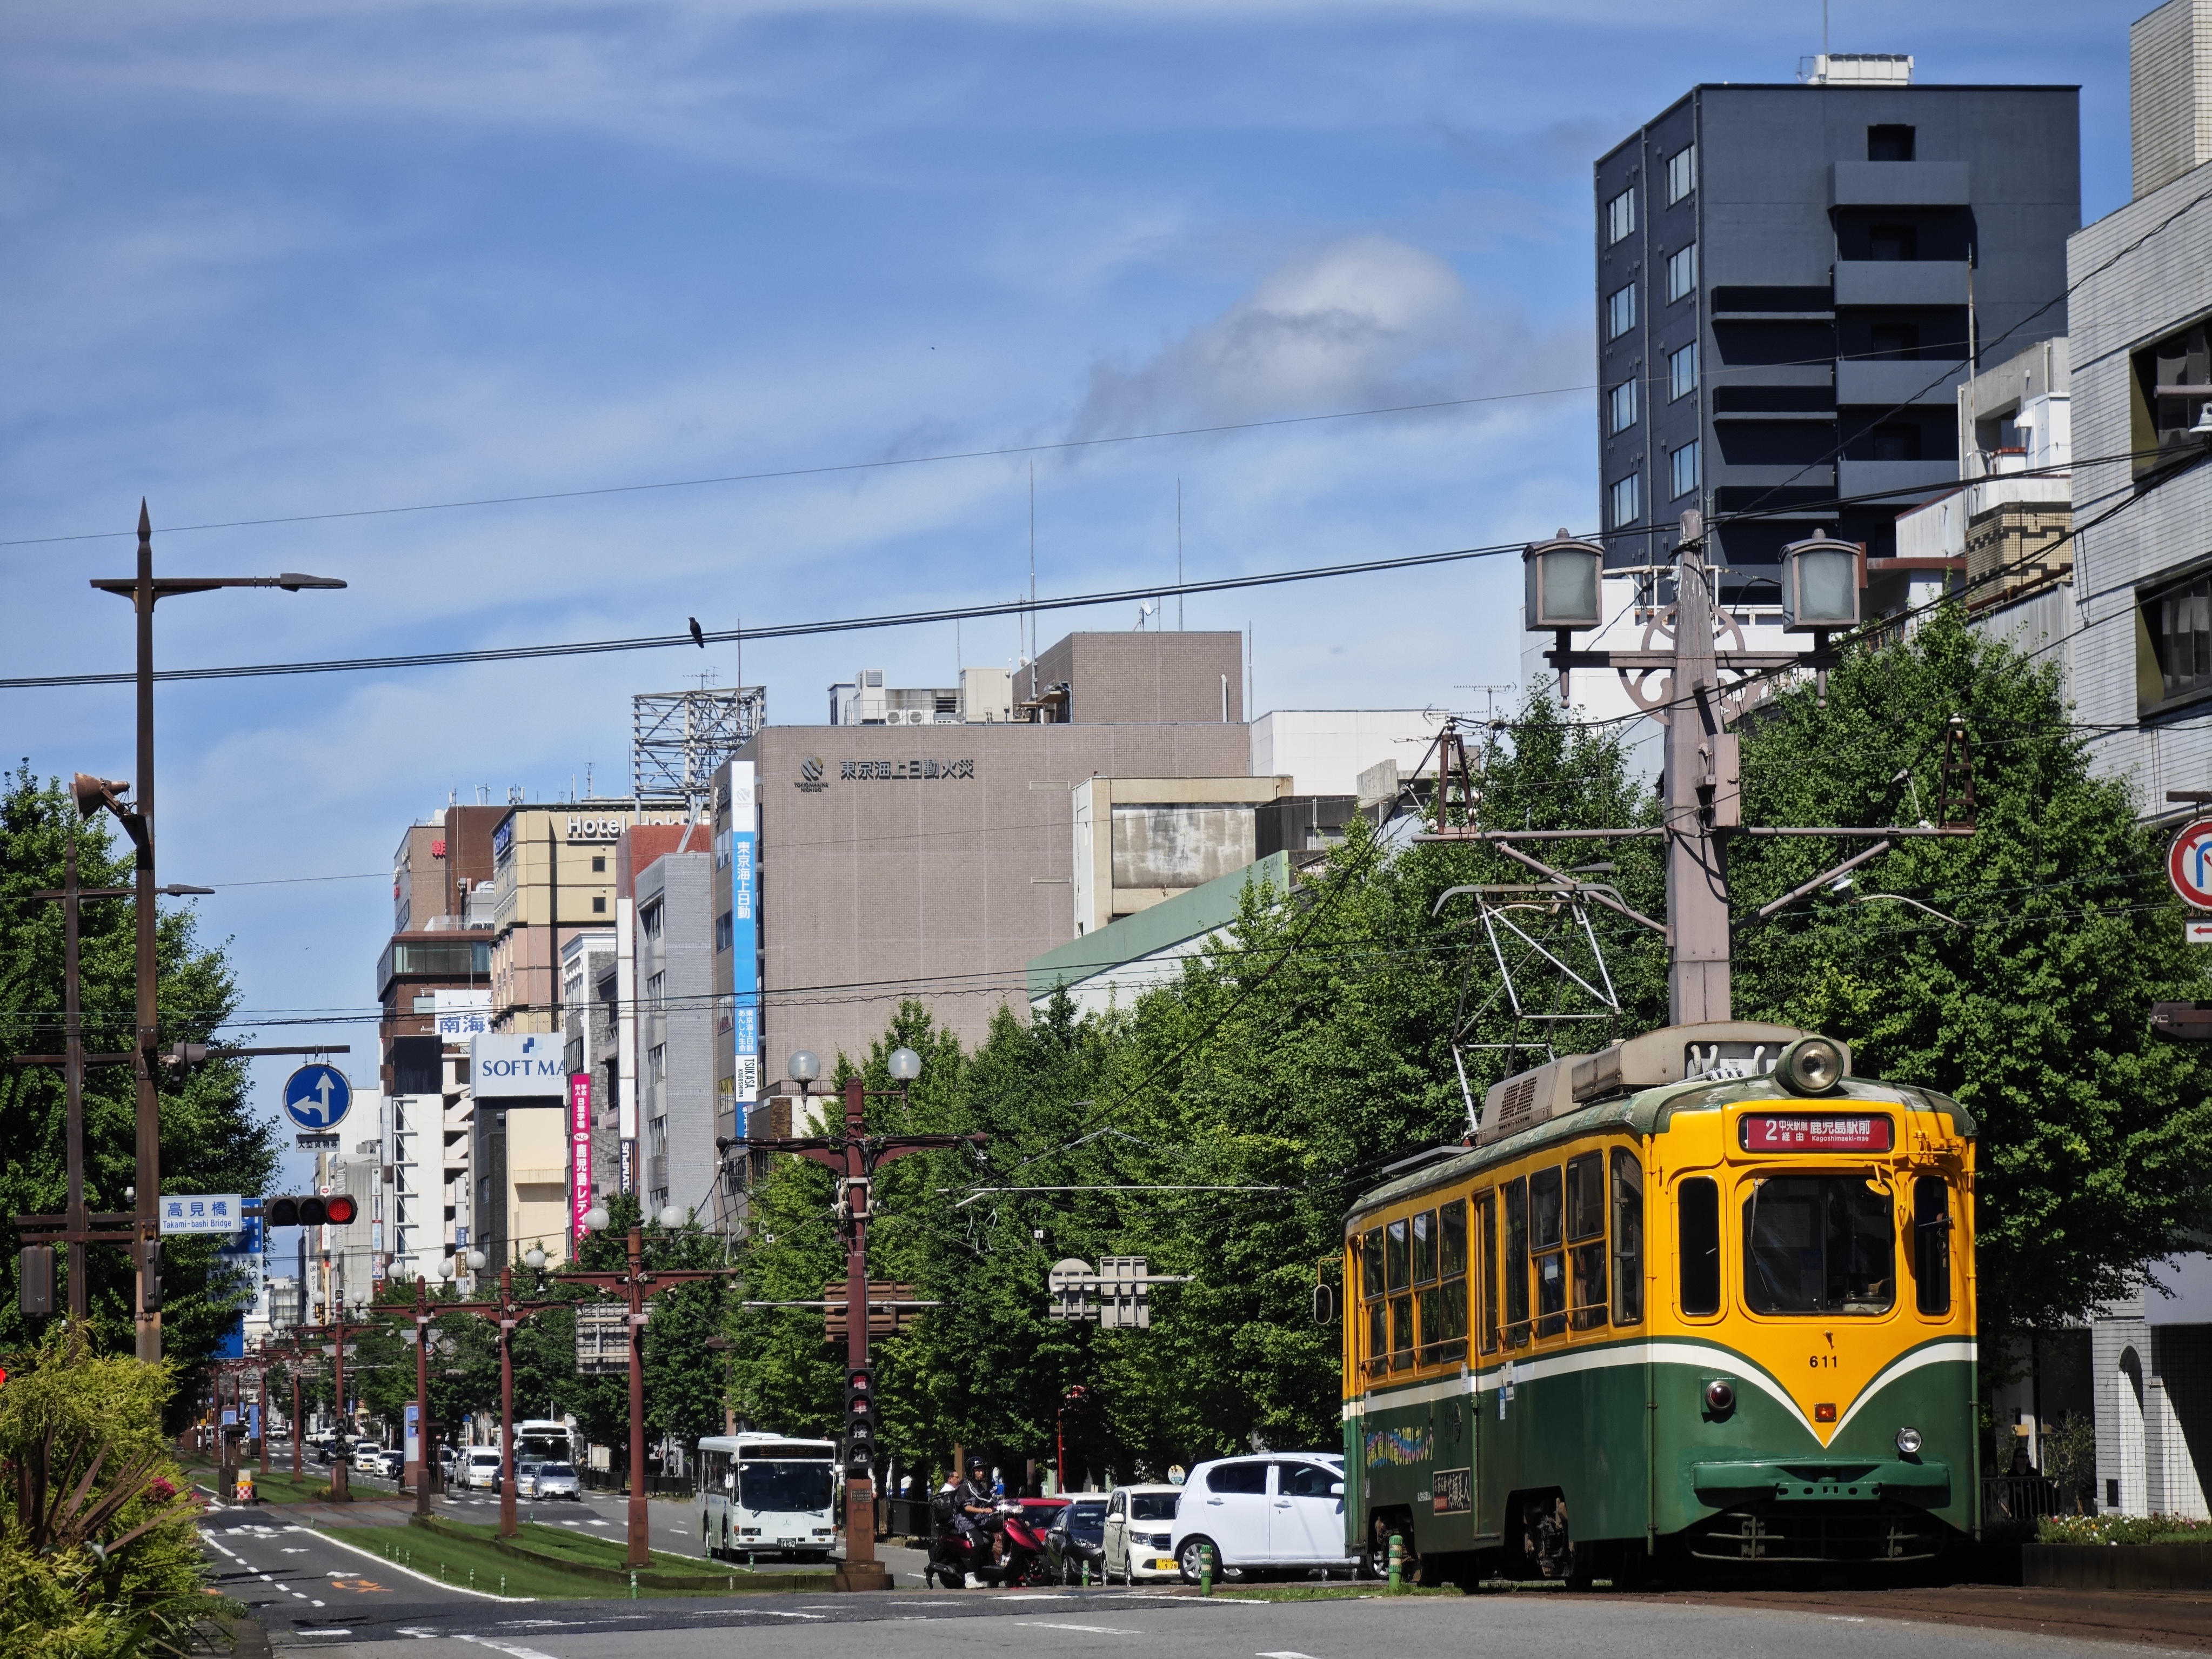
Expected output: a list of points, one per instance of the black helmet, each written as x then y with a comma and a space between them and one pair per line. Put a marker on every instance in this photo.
976, 1464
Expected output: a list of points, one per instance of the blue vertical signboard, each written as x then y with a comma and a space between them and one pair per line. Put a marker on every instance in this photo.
736, 852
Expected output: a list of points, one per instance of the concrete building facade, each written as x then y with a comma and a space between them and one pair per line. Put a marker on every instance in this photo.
1792, 280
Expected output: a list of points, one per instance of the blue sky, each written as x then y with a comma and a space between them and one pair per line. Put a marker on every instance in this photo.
263, 260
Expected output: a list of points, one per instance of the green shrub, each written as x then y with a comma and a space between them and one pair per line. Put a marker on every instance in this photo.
2121, 1529
100, 1559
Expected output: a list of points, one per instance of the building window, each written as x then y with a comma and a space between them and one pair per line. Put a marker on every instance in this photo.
2172, 388
2173, 656
1684, 468
1889, 143
599, 863
1681, 273
1894, 242
1681, 174
1624, 501
722, 932
1683, 371
1895, 342
649, 919
1620, 216
656, 1062
599, 905
1896, 440
656, 990
1620, 312
1620, 407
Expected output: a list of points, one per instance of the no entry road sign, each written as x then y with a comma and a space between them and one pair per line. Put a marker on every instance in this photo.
2189, 863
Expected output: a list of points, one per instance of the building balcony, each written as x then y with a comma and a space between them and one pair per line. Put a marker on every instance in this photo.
1890, 384
1900, 281
1817, 475
1880, 478
1898, 184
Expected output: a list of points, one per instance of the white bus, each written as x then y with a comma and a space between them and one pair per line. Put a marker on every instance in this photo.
768, 1494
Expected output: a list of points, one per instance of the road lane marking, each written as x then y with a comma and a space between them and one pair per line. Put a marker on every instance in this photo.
1089, 1629
323, 1632
1285, 1653
388, 1565
515, 1650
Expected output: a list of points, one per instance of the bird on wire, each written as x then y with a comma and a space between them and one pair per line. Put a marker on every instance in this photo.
698, 637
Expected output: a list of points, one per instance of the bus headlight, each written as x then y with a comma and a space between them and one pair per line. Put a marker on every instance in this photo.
1719, 1397
1908, 1441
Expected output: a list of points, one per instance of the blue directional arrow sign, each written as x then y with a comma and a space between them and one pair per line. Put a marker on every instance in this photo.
318, 1097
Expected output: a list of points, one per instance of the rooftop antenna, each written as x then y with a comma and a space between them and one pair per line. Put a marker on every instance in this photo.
1178, 556
1033, 571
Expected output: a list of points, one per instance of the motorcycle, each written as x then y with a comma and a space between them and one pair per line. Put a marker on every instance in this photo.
1024, 1559
958, 1548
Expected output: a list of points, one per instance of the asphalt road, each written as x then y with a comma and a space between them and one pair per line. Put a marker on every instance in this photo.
358, 1623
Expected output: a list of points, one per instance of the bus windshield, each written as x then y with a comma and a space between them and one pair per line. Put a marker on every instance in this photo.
784, 1488
1819, 1245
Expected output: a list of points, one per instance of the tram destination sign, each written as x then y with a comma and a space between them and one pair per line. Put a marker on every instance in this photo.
1813, 1132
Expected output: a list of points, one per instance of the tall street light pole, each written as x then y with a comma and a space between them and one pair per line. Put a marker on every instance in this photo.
854, 1158
143, 591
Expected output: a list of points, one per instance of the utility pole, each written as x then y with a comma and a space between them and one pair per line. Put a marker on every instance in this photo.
1702, 785
143, 591
854, 1158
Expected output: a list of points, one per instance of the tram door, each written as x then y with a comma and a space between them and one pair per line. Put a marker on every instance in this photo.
1452, 1418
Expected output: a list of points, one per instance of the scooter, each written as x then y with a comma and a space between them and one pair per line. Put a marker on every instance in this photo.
959, 1547
1023, 1560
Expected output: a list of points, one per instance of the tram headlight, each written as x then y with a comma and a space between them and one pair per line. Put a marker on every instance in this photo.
1719, 1397
1908, 1441
1810, 1066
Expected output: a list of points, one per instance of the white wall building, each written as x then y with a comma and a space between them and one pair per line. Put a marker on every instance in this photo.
1323, 750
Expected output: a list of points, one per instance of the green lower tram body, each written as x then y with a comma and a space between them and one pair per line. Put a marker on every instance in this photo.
1601, 1461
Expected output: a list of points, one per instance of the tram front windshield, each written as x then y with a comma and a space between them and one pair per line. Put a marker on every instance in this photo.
1819, 1245
784, 1488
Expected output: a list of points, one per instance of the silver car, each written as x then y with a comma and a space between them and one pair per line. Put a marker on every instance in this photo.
545, 1482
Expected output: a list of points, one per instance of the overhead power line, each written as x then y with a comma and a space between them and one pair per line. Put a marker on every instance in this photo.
786, 631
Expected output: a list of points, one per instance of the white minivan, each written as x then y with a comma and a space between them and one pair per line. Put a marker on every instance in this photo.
480, 1467
1282, 1510
1140, 1525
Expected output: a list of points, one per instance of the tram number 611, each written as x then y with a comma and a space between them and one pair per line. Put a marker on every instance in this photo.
1824, 1362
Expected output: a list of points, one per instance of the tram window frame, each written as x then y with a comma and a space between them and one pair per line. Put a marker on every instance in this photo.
1764, 1242
1402, 1332
1627, 1236
1444, 1309
1698, 1245
1931, 1245
1425, 1248
1516, 1262
1378, 1357
1485, 1227
1587, 1303
1397, 1256
1548, 1204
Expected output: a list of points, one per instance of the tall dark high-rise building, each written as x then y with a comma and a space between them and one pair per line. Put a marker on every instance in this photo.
1792, 280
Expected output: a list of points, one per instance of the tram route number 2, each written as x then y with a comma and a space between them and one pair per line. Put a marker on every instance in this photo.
1454, 1491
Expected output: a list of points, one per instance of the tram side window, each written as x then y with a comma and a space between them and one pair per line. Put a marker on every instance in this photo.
1378, 1310
1931, 1244
1425, 1248
1699, 1244
1397, 1261
1628, 1238
1485, 1228
1517, 1263
1586, 1241
1443, 1307
1547, 1244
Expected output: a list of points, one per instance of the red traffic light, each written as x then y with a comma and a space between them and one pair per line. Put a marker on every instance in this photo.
336, 1211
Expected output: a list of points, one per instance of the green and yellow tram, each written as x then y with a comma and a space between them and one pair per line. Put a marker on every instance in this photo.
1703, 1293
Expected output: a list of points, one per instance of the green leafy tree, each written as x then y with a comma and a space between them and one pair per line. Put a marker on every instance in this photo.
98, 1559
210, 1142
2034, 1011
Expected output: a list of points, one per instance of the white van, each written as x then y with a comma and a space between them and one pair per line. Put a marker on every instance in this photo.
480, 1467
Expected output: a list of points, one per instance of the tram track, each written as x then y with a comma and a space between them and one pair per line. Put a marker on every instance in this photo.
2170, 1618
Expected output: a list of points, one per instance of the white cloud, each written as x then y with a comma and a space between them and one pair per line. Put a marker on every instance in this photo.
1366, 321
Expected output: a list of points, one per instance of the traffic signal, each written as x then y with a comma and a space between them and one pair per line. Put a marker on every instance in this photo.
861, 1422
35, 1277
336, 1211
149, 1268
